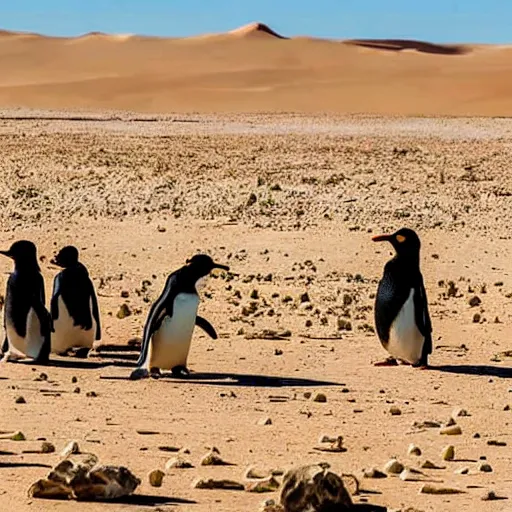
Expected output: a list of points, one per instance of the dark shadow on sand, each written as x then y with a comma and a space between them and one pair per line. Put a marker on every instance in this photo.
79, 364
23, 465
145, 500
238, 380
366, 507
469, 369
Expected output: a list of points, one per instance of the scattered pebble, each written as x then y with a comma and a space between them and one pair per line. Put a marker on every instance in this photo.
265, 421
485, 467
70, 449
453, 430
47, 447
212, 458
320, 397
124, 311
490, 496
494, 442
74, 380
210, 483
269, 484
427, 464
448, 452
335, 447
178, 463
413, 450
458, 413
431, 489
409, 475
462, 471
393, 467
253, 473
374, 473
20, 400
395, 411
156, 478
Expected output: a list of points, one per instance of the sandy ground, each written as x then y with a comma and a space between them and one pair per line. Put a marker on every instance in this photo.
253, 69
290, 203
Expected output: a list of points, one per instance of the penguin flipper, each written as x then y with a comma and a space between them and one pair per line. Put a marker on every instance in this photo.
206, 326
423, 319
5, 346
96, 312
54, 303
45, 319
163, 305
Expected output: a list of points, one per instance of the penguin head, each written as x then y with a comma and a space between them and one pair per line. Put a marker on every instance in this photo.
201, 265
67, 257
405, 242
24, 254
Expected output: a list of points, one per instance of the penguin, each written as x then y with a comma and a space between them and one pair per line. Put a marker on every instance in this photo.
402, 319
171, 320
74, 306
27, 322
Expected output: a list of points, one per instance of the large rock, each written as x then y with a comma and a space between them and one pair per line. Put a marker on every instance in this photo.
314, 489
85, 480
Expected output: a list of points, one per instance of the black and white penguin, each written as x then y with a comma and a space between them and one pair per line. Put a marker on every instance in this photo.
401, 309
171, 320
74, 306
27, 322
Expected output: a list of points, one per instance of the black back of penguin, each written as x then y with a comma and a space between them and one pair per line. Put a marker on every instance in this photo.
401, 275
75, 287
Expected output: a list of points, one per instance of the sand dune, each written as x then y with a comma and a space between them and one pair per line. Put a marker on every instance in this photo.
253, 68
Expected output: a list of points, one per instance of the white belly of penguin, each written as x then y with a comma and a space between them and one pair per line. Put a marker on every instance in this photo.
31, 344
170, 345
405, 339
67, 335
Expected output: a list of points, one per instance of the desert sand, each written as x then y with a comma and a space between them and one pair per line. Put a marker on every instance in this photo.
253, 69
290, 202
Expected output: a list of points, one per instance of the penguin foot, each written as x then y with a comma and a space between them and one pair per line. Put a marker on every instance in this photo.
180, 371
81, 352
390, 361
155, 373
139, 373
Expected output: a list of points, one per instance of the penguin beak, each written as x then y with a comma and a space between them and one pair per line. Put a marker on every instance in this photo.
382, 238
6, 253
223, 267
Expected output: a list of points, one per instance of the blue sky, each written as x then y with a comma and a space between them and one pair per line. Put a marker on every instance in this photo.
434, 20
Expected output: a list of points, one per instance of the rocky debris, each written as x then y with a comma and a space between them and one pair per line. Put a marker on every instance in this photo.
47, 447
124, 311
20, 400
395, 411
411, 475
334, 447
491, 496
314, 488
269, 484
320, 398
213, 458
475, 301
70, 449
485, 467
13, 436
427, 464
178, 463
85, 481
265, 421
432, 489
374, 473
413, 450
211, 483
462, 471
448, 452
393, 467
452, 430
460, 413
156, 478
254, 473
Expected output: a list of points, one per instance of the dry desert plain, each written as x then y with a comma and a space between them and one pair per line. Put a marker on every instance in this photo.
290, 202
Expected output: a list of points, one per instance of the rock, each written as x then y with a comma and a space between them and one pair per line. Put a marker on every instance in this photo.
124, 311
413, 450
395, 411
490, 496
409, 475
432, 489
324, 438
448, 452
211, 483
47, 447
374, 473
458, 413
315, 489
475, 301
427, 464
85, 481
13, 436
253, 473
156, 478
336, 447
304, 298
484, 467
265, 421
20, 400
212, 458
269, 484
70, 449
271, 506
494, 442
451, 421
178, 463
453, 430
393, 467
320, 397
462, 471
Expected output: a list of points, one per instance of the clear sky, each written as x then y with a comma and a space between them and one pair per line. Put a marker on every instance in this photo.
433, 20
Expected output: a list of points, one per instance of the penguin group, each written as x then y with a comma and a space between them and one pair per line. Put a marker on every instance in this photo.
402, 318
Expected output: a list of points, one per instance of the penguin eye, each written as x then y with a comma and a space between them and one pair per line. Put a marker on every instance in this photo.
400, 238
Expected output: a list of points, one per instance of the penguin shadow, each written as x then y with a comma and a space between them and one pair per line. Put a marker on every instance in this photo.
78, 364
247, 380
476, 369
23, 465
146, 500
